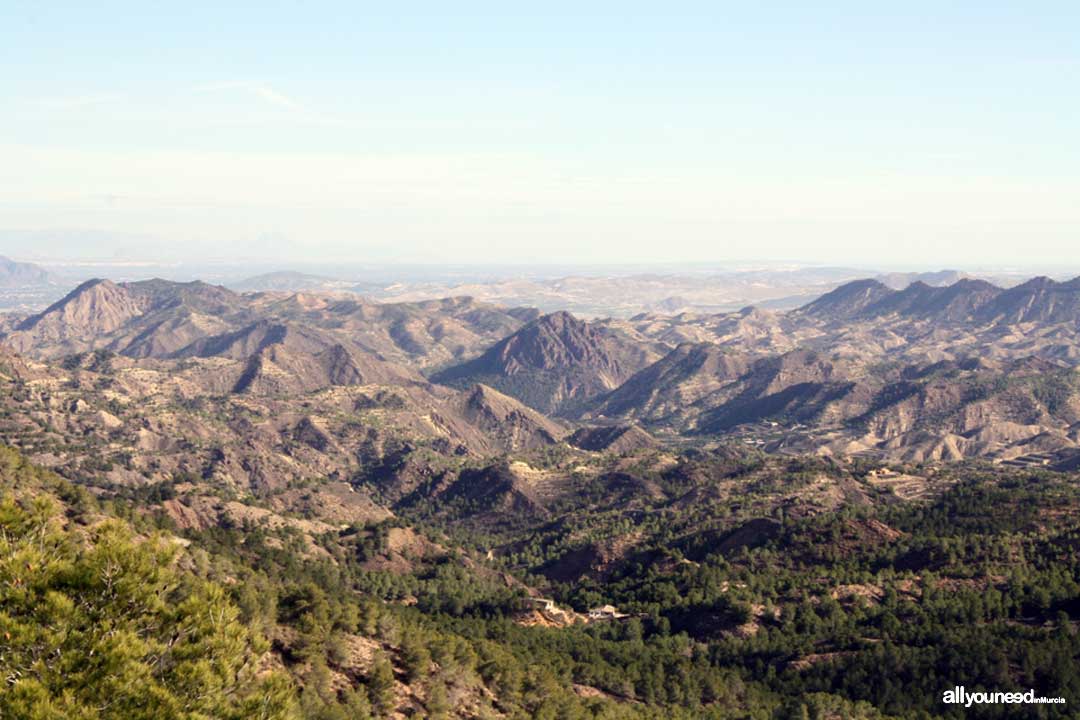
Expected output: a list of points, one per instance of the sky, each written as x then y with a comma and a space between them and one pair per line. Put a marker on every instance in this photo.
421, 132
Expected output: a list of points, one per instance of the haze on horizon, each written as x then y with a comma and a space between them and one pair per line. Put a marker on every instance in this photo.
943, 136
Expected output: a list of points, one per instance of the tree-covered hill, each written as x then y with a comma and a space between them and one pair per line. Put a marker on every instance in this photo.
765, 607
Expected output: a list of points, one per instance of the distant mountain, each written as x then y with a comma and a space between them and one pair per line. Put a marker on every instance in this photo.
163, 319
613, 292
156, 316
554, 363
21, 274
922, 372
288, 281
940, 278
848, 301
93, 309
954, 303
1039, 300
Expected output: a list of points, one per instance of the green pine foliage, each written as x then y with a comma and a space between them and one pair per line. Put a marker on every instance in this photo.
104, 616
96, 622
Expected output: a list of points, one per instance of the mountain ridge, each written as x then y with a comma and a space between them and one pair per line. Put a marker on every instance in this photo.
1039, 299
553, 363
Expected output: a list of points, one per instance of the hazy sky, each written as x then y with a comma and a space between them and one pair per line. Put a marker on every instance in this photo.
505, 132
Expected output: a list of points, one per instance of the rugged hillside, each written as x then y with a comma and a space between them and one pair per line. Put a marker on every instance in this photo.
949, 411
824, 378
128, 422
511, 425
613, 438
281, 369
286, 357
160, 319
702, 388
680, 379
171, 599
427, 335
959, 302
800, 386
805, 402
870, 323
92, 310
555, 363
149, 316
1039, 300
953, 303
848, 300
400, 548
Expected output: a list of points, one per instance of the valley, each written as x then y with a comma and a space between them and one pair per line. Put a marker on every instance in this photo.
692, 515
549, 361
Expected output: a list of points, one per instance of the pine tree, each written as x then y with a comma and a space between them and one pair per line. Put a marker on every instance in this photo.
438, 701
380, 686
106, 626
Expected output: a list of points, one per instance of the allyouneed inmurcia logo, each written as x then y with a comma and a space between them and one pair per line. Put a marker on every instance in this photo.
960, 696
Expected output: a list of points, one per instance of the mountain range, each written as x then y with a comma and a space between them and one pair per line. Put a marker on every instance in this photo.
923, 373
1039, 300
453, 484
